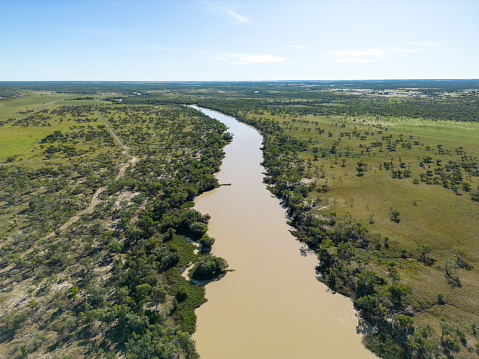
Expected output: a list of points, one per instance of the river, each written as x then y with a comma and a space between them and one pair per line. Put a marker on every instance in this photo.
272, 305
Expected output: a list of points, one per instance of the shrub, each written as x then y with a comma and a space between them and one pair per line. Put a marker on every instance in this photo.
209, 269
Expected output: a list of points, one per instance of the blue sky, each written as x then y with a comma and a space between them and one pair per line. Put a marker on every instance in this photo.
209, 40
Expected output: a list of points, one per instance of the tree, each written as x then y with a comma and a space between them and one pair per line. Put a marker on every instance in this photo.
404, 322
73, 291
366, 281
440, 298
346, 251
394, 214
170, 234
206, 243
449, 267
394, 275
424, 249
460, 252
448, 337
158, 295
142, 292
115, 247
398, 291
209, 268
185, 342
198, 229
135, 323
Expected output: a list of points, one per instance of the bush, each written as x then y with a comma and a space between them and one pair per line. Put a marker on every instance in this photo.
198, 229
440, 298
207, 241
209, 269
182, 294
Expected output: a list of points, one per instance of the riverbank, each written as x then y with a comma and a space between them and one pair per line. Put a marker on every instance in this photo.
273, 298
376, 271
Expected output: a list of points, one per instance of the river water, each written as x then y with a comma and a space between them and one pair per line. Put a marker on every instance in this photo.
272, 305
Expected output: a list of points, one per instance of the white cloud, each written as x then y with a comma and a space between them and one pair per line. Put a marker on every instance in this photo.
358, 56
366, 52
354, 60
238, 17
417, 47
425, 44
299, 47
156, 48
403, 50
247, 59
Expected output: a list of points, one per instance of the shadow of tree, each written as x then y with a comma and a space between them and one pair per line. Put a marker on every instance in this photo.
455, 282
364, 327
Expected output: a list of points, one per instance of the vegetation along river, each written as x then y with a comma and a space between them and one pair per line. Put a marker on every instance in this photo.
272, 305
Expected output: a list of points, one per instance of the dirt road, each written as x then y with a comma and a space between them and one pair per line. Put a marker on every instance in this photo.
95, 200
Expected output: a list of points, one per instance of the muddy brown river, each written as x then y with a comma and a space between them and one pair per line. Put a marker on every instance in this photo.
272, 305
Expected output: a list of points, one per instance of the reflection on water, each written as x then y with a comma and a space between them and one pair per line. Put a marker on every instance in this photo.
272, 305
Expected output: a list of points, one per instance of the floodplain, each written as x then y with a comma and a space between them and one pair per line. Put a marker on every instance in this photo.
384, 188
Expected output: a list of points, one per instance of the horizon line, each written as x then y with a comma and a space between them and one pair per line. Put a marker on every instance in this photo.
209, 81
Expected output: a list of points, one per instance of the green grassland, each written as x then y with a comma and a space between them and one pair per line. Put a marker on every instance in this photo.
432, 212
27, 120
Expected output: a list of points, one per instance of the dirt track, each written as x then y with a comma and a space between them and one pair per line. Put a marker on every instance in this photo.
95, 200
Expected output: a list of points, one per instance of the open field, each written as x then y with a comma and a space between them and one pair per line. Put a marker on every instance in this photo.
429, 213
29, 119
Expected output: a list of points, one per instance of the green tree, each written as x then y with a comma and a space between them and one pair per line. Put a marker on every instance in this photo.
460, 253
158, 295
367, 280
209, 268
449, 267
143, 292
398, 291
440, 298
182, 294
73, 291
424, 249
394, 215
198, 229
404, 322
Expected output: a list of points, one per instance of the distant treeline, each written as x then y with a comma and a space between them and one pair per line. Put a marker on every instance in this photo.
238, 87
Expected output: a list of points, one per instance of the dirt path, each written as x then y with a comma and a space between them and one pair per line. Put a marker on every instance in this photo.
113, 134
45, 105
95, 200
76, 217
32, 112
23, 162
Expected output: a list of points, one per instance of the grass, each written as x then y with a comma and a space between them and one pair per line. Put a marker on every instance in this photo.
436, 213
27, 102
21, 141
429, 214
